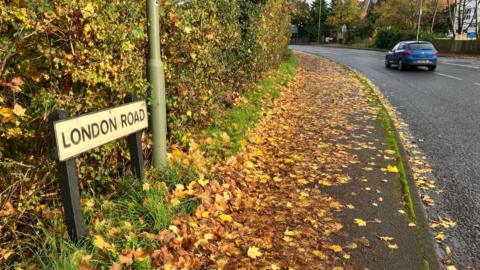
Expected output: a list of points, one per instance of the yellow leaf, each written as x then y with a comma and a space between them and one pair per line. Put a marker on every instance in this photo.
5, 254
451, 267
274, 267
187, 29
18, 110
440, 236
386, 238
335, 205
335, 248
253, 252
227, 218
393, 169
7, 210
208, 236
360, 222
249, 165
350, 206
100, 243
146, 186
392, 246
319, 254
174, 229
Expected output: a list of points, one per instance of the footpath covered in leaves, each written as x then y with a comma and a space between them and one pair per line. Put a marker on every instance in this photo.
316, 187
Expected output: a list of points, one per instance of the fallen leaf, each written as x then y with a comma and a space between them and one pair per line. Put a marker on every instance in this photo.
125, 260
115, 266
440, 237
360, 222
335, 248
208, 236
18, 110
253, 252
392, 246
274, 267
146, 186
392, 169
386, 238
226, 218
319, 254
100, 243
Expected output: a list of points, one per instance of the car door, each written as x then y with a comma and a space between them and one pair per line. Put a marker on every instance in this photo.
391, 54
399, 52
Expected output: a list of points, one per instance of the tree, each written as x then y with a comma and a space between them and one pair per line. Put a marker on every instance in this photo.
301, 17
345, 12
398, 14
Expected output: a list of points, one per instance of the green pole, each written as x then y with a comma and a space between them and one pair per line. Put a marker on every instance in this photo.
319, 20
156, 82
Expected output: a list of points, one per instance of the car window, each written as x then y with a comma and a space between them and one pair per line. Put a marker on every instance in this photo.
396, 47
401, 47
421, 46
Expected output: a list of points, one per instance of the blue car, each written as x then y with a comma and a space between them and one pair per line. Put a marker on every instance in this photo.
412, 53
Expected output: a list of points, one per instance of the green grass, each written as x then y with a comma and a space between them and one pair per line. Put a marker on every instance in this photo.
237, 121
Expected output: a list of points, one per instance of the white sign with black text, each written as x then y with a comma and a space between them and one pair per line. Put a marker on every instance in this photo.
80, 134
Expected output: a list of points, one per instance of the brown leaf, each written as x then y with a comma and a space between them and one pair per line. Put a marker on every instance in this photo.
115, 266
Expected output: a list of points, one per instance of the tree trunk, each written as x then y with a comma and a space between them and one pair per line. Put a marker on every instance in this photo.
452, 21
434, 16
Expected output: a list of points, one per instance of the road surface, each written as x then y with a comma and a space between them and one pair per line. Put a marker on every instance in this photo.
442, 109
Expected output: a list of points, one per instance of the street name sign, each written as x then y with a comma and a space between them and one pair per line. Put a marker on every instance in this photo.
73, 136
80, 134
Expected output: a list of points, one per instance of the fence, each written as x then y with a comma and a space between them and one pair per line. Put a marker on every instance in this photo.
457, 46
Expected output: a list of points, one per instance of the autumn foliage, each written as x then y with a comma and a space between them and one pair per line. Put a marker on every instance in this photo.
82, 56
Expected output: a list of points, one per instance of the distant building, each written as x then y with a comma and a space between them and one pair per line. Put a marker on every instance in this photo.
467, 16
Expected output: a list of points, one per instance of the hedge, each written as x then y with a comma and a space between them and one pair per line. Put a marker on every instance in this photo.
82, 56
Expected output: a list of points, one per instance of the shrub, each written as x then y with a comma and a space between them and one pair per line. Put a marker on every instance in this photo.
386, 38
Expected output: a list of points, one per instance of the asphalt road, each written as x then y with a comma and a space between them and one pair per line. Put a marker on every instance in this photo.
442, 109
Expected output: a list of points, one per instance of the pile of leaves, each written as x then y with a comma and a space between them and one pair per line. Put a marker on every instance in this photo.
82, 56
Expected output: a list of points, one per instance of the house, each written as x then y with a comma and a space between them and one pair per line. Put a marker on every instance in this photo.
467, 15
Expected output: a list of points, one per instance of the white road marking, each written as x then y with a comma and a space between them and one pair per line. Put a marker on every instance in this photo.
477, 84
460, 65
449, 76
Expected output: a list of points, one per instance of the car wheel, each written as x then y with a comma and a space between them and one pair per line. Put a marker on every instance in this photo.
400, 65
432, 68
387, 63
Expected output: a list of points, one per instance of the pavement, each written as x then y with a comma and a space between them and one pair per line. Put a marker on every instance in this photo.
316, 191
442, 109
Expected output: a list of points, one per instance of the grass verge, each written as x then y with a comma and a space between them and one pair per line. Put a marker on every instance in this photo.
237, 121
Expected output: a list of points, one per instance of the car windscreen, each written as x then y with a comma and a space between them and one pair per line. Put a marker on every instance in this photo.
421, 46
